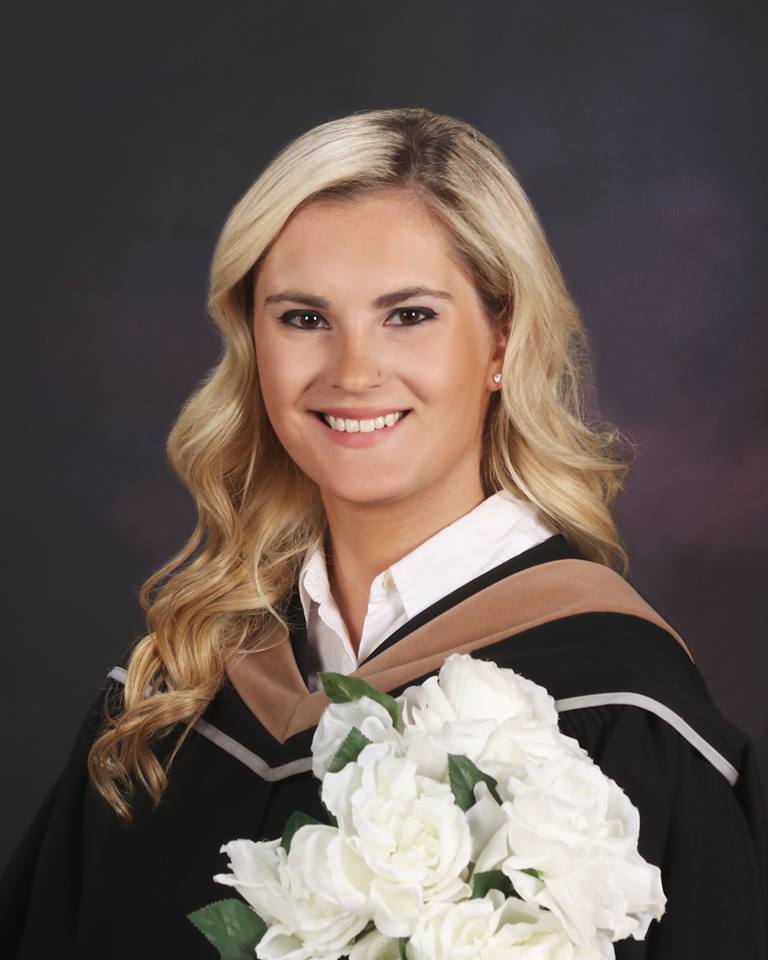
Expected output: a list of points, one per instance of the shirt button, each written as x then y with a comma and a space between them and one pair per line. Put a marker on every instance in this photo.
389, 583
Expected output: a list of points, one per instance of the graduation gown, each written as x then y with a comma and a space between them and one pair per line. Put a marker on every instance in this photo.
80, 884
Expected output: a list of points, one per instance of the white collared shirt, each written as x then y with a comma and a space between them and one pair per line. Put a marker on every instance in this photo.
500, 527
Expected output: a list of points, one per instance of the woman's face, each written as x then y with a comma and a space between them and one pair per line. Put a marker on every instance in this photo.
336, 329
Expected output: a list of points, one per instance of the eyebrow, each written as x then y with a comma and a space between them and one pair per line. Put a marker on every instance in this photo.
385, 300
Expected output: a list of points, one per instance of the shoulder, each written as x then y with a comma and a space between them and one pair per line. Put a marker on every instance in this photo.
631, 662
609, 667
108, 697
109, 694
572, 585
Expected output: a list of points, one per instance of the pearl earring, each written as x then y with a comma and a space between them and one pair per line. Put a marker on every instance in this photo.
496, 377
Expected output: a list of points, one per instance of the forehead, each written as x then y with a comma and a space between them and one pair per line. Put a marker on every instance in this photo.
372, 240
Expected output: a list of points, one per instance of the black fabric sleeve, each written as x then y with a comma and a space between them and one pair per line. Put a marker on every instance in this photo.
708, 837
40, 886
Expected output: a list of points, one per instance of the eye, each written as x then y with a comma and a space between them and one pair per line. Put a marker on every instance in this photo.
429, 314
290, 314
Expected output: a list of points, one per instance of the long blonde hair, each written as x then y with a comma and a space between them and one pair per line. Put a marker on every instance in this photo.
257, 513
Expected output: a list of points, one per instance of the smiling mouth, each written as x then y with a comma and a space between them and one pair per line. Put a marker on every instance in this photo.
321, 417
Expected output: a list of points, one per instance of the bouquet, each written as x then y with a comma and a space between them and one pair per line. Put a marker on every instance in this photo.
462, 824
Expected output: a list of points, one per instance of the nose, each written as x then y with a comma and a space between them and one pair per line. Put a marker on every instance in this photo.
354, 361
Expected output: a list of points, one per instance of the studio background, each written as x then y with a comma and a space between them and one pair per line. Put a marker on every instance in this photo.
131, 129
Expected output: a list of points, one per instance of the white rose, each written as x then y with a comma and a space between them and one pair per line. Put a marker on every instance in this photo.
514, 743
429, 751
255, 875
304, 921
490, 714
492, 928
407, 829
579, 829
479, 689
370, 718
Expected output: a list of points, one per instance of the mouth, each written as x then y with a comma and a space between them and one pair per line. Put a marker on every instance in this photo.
357, 437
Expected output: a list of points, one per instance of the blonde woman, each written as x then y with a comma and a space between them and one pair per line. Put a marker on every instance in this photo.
394, 459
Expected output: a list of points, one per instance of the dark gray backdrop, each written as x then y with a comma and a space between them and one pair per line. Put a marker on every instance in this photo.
131, 129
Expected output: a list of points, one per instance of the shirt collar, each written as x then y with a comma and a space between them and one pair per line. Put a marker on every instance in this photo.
444, 561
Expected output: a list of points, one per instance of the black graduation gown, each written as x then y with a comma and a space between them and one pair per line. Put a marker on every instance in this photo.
80, 884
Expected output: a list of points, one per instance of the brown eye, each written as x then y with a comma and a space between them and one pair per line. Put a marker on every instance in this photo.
429, 314
290, 314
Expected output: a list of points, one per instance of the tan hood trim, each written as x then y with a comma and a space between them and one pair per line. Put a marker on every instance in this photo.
271, 685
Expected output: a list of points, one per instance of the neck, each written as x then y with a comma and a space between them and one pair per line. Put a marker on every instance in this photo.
364, 539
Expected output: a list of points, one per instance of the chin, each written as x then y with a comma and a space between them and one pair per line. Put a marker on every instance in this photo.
365, 491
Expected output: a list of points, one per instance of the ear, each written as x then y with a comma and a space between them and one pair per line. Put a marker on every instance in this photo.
500, 338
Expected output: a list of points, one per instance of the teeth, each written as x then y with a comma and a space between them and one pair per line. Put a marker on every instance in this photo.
346, 425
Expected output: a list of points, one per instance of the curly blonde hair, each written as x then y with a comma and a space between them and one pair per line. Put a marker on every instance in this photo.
257, 513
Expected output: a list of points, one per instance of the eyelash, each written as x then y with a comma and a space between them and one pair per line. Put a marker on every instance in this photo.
290, 314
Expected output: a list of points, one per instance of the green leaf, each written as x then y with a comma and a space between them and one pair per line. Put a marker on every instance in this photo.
462, 776
490, 880
292, 824
533, 872
233, 927
329, 816
344, 689
349, 750
401, 945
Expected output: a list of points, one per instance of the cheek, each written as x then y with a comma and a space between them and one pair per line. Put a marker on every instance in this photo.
455, 394
453, 373
280, 378
269, 387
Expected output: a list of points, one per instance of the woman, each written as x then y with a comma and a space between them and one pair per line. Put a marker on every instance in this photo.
391, 462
